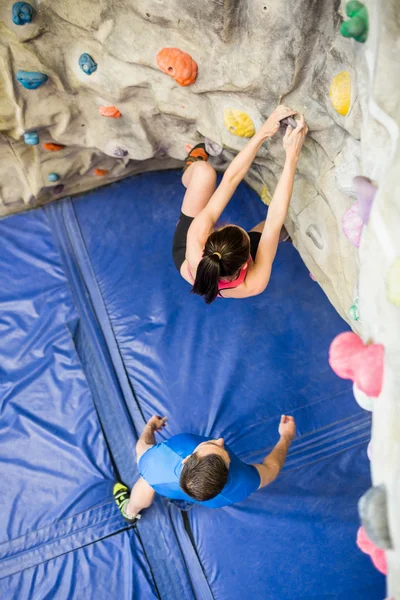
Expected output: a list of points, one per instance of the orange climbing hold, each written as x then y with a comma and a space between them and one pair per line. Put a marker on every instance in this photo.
110, 111
178, 64
53, 147
100, 172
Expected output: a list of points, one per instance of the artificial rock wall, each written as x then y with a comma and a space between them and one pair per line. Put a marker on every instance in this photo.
251, 55
128, 116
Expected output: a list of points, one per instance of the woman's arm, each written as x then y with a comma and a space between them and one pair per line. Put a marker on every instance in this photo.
234, 174
260, 271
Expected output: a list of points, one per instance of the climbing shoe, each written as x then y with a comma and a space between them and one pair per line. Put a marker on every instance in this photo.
121, 496
198, 152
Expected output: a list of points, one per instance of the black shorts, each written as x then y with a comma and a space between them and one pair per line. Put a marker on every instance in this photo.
179, 241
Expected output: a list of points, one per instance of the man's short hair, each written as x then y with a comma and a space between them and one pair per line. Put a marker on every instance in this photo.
203, 477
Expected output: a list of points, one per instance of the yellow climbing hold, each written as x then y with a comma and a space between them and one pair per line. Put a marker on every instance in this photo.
393, 283
340, 92
238, 123
265, 195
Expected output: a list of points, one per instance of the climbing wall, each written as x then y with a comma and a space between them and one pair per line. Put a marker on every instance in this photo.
94, 91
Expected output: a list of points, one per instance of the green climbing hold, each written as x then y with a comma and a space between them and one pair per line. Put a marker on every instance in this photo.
357, 25
353, 311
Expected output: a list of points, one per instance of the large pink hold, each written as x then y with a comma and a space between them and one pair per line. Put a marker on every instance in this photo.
352, 225
351, 359
378, 556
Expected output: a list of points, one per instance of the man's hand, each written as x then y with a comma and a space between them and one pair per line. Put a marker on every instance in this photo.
273, 122
287, 427
157, 423
294, 139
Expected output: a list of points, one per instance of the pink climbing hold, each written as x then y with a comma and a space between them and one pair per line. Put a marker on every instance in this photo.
365, 191
351, 359
352, 225
378, 556
312, 277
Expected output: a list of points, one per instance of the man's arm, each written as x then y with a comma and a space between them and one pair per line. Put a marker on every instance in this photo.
274, 461
147, 439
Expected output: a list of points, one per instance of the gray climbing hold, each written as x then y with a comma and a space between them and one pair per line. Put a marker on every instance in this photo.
87, 64
372, 508
53, 177
31, 138
22, 13
314, 234
213, 148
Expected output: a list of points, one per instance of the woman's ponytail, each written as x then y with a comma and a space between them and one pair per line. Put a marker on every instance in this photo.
225, 252
207, 278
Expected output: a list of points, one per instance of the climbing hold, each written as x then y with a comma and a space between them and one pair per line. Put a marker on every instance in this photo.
393, 283
120, 152
365, 191
352, 225
22, 13
213, 148
58, 188
109, 111
288, 121
31, 79
351, 359
378, 556
178, 64
53, 177
354, 312
266, 196
364, 401
369, 450
312, 277
239, 123
100, 172
373, 511
31, 138
314, 234
340, 92
53, 147
87, 64
357, 26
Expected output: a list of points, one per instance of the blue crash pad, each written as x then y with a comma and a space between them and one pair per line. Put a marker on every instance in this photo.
231, 369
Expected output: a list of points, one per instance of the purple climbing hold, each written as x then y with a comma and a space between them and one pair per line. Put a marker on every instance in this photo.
289, 121
365, 191
120, 152
213, 148
58, 189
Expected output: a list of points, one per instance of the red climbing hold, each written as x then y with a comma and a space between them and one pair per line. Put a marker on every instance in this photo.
100, 172
53, 147
178, 64
110, 111
351, 359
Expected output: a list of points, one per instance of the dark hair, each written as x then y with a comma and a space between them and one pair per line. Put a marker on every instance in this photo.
233, 248
203, 477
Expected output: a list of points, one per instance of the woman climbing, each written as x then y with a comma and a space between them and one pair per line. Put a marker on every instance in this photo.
230, 262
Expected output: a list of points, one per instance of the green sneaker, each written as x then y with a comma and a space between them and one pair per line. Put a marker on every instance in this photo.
121, 496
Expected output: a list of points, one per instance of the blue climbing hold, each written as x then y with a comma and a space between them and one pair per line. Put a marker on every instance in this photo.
22, 13
31, 79
31, 138
53, 177
87, 64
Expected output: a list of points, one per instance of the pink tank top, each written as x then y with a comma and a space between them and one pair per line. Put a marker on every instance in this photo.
226, 285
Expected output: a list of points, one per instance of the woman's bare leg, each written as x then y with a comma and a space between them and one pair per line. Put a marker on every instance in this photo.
142, 496
200, 182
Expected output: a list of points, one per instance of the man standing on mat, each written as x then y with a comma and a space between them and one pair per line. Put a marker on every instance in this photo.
194, 469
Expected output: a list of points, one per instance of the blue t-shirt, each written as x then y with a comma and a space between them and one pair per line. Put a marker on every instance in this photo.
161, 467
